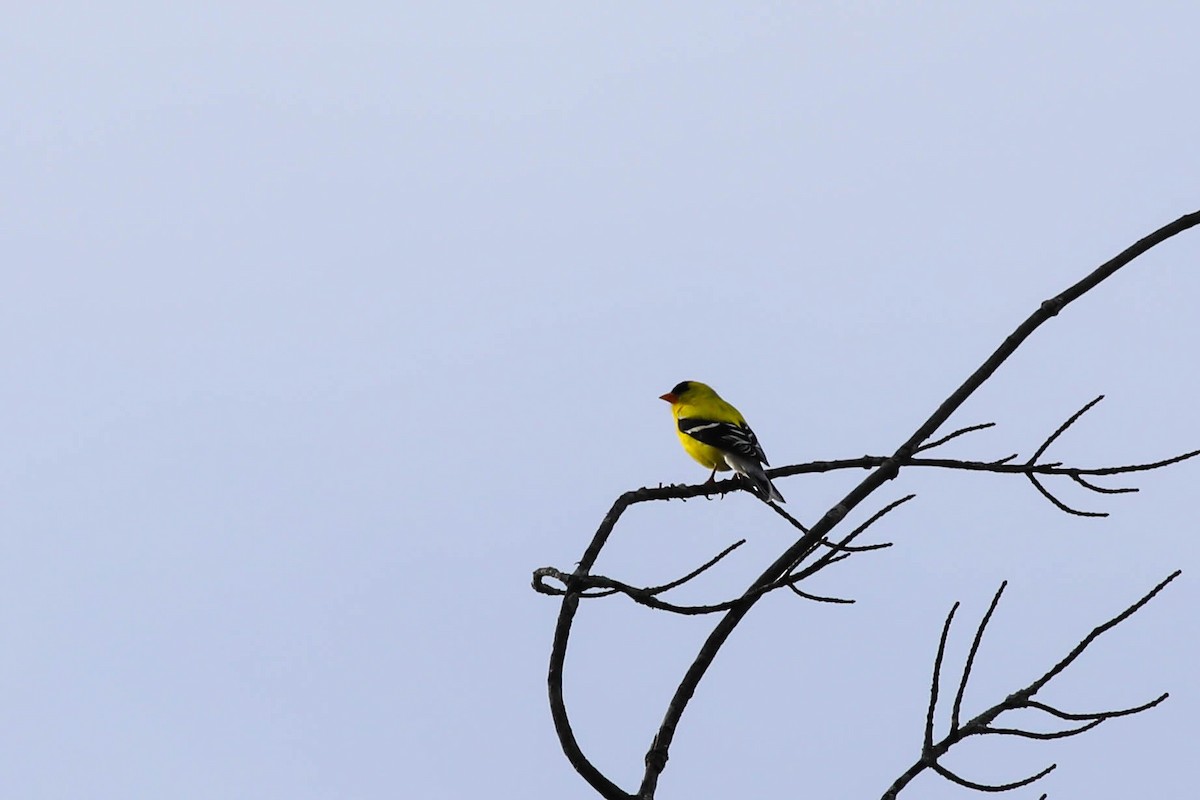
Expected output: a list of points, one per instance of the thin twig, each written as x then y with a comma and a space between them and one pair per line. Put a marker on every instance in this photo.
955, 435
795, 523
1036, 735
856, 548
970, 662
841, 550
1103, 489
817, 597
1095, 634
990, 787
1166, 462
593, 586
702, 568
1062, 428
1059, 504
1123, 712
927, 747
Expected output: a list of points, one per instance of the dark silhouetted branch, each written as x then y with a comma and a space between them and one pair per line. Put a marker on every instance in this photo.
1062, 429
881, 470
955, 435
982, 724
666, 587
1045, 445
999, 466
935, 685
818, 598
839, 551
1102, 489
990, 787
1059, 504
1096, 632
966, 673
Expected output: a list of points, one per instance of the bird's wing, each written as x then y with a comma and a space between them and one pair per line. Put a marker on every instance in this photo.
725, 436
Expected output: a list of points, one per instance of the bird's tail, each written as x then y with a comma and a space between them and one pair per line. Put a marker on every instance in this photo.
767, 490
757, 478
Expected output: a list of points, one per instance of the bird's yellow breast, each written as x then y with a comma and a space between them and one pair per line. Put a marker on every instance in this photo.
709, 457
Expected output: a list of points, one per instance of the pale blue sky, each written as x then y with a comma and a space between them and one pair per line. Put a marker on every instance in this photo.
323, 326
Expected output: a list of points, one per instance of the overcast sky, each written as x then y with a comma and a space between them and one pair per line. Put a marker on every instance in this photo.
322, 326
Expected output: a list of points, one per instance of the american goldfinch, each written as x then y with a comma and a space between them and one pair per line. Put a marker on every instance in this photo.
716, 434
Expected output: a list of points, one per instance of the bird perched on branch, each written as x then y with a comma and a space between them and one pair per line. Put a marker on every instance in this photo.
716, 434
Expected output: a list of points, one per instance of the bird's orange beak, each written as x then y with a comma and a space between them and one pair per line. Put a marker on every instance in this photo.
670, 398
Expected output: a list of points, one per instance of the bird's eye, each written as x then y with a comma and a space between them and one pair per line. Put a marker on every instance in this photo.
681, 388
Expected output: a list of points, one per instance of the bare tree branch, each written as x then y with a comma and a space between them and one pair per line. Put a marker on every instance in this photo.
1059, 504
981, 724
990, 787
1035, 735
966, 673
698, 571
1000, 466
1102, 489
818, 598
882, 470
955, 435
1096, 632
1062, 428
1124, 712
839, 551
935, 686
640, 595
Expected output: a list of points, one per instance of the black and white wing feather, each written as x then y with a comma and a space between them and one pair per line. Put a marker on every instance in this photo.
738, 446
727, 437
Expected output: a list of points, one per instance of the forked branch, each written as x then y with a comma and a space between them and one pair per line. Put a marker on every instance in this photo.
984, 723
882, 469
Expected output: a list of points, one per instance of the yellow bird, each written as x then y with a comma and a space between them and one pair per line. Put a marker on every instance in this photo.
716, 434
